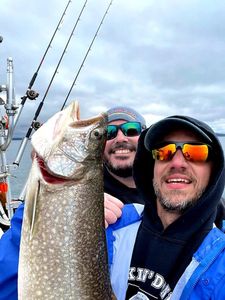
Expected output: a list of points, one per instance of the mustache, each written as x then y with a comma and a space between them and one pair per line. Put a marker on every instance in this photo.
123, 145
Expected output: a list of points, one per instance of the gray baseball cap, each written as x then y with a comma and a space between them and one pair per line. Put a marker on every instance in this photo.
125, 113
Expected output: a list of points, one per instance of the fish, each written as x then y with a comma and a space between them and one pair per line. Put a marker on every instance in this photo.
63, 252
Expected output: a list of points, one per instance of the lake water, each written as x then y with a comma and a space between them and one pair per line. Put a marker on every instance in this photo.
19, 176
222, 139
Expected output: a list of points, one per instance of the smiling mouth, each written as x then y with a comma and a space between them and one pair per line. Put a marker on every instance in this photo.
121, 151
178, 180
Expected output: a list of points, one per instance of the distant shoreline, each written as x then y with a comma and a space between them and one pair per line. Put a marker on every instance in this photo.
20, 138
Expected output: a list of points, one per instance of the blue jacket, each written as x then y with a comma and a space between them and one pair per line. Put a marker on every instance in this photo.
204, 278
205, 275
9, 256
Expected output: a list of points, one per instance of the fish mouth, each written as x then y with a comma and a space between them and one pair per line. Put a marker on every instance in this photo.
48, 177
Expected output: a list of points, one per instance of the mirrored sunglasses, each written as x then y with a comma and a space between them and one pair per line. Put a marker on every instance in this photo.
196, 152
129, 129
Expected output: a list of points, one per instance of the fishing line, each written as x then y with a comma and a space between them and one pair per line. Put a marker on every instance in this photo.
12, 106
85, 57
35, 124
30, 93
64, 51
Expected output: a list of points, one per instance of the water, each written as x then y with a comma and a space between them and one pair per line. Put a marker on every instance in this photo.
19, 176
222, 140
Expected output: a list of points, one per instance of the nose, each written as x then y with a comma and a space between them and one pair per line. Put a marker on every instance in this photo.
178, 160
121, 137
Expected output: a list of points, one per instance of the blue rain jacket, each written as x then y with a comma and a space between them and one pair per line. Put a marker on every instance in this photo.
204, 278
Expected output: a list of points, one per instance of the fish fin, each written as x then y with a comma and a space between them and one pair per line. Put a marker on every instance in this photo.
31, 198
51, 132
33, 215
77, 110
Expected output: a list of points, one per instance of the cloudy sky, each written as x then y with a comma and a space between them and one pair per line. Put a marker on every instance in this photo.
161, 57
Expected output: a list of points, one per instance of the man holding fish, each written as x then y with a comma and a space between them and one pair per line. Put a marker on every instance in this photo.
64, 149
168, 251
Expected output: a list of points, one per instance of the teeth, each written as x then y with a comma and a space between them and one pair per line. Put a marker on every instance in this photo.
178, 180
122, 151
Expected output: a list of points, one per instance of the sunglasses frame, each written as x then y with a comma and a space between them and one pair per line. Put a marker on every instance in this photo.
180, 145
124, 130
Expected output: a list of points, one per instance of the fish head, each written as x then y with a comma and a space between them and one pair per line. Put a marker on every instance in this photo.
69, 147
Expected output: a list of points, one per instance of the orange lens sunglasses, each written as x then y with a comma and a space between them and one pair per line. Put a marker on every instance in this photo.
196, 152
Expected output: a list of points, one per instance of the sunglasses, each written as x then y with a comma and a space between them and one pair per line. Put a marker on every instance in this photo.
196, 152
129, 129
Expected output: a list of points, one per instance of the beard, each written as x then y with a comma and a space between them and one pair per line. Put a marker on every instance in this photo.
125, 171
172, 202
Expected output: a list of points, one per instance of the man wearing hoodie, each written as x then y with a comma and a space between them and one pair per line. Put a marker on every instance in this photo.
171, 249
151, 252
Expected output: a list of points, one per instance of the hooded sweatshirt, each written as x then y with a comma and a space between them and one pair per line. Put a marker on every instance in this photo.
119, 190
160, 255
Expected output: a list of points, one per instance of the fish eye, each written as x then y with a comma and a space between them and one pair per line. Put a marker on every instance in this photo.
97, 134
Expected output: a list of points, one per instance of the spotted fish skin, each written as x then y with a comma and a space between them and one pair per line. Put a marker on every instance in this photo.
63, 245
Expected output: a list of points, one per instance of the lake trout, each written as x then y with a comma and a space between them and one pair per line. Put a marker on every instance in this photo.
63, 247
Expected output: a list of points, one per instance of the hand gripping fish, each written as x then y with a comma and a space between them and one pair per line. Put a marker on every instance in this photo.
63, 247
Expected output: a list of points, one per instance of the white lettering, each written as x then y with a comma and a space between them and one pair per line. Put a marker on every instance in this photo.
131, 275
166, 289
158, 281
151, 274
142, 274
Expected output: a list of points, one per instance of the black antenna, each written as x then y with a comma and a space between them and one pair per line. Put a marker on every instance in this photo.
85, 57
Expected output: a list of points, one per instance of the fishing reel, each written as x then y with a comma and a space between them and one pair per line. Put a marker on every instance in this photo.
31, 94
36, 125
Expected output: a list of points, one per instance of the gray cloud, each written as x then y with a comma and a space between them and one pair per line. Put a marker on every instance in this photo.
161, 57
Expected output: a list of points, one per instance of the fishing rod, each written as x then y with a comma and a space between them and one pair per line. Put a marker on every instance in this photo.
32, 94
34, 123
9, 120
22, 195
13, 110
85, 57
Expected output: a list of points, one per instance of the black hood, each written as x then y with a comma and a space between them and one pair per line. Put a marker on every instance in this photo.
200, 216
